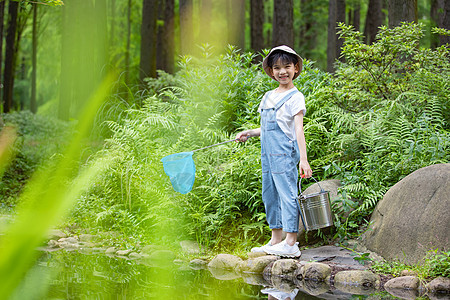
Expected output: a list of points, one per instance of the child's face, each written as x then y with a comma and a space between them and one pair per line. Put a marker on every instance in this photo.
284, 72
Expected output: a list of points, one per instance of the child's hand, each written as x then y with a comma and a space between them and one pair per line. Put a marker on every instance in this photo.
242, 136
305, 169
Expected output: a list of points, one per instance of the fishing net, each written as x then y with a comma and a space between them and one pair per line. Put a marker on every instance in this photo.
180, 168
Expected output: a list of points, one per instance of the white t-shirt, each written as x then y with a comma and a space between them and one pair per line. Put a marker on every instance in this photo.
286, 113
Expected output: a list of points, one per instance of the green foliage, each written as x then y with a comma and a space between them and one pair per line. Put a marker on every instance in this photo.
435, 263
383, 115
39, 138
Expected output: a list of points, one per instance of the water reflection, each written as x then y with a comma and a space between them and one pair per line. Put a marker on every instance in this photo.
71, 275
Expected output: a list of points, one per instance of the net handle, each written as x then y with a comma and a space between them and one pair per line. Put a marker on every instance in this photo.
214, 145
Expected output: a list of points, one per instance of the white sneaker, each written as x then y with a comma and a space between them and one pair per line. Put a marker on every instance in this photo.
262, 249
284, 250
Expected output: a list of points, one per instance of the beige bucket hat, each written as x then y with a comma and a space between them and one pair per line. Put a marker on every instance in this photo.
285, 49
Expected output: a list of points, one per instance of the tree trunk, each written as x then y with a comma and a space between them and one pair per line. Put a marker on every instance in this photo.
10, 58
308, 30
374, 20
166, 37
256, 25
444, 20
2, 21
331, 40
340, 17
236, 23
283, 23
128, 45
33, 102
65, 87
355, 15
148, 39
402, 11
186, 27
169, 36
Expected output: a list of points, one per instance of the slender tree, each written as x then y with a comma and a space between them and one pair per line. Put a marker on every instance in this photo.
33, 103
440, 14
256, 25
308, 28
283, 23
148, 39
374, 19
2, 15
236, 23
169, 36
10, 57
354, 14
340, 18
206, 8
402, 11
331, 40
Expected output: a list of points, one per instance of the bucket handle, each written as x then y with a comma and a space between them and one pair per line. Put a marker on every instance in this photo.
300, 184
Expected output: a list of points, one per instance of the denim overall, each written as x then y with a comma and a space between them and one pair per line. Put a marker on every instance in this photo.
279, 159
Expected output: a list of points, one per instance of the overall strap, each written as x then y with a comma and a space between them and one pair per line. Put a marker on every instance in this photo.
285, 98
264, 100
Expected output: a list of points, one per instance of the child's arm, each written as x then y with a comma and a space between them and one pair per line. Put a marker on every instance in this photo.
244, 135
303, 166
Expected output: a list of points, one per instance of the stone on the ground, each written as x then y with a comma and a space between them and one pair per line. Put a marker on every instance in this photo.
316, 271
412, 217
256, 254
285, 267
56, 234
357, 278
124, 252
111, 250
404, 282
86, 237
257, 265
439, 285
225, 261
134, 255
53, 244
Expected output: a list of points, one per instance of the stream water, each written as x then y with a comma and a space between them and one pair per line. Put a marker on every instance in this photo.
71, 275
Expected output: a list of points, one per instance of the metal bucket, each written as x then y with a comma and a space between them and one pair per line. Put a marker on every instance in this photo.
315, 209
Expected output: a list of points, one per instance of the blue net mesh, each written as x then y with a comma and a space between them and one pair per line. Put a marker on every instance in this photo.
180, 168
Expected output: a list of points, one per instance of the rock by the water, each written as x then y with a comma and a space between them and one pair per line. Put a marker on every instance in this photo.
412, 217
124, 252
56, 234
316, 271
111, 250
257, 265
357, 278
285, 267
225, 261
404, 282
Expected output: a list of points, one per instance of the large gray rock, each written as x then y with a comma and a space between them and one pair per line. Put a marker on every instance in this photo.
413, 216
257, 265
225, 261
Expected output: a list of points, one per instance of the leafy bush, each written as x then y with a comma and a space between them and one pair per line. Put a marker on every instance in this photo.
39, 138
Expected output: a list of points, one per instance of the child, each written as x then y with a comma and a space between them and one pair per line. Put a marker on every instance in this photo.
283, 146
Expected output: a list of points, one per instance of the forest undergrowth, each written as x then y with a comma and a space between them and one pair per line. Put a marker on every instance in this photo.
384, 114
